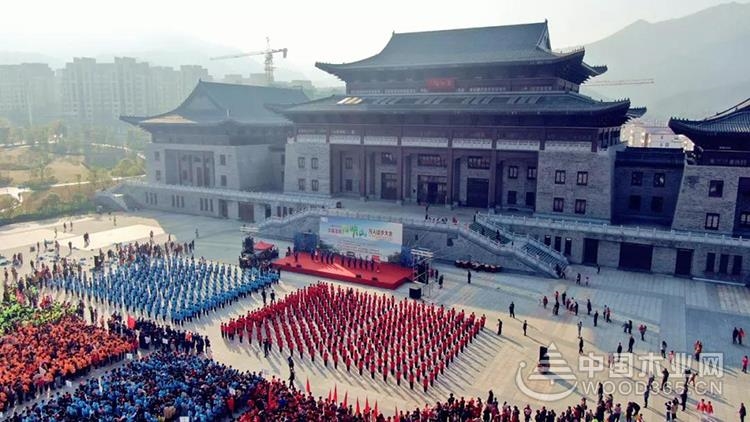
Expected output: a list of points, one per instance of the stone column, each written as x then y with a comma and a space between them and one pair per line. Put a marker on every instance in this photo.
400, 175
363, 173
493, 176
450, 177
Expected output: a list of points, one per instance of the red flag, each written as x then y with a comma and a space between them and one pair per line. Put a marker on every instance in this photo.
357, 408
367, 405
270, 398
376, 409
346, 399
395, 416
131, 322
335, 394
329, 394
307, 386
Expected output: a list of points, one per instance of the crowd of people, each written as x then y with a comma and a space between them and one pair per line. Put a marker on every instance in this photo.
162, 386
375, 335
36, 358
173, 288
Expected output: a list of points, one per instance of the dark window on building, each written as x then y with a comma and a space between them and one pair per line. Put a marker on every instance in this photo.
583, 178
512, 197
558, 243
745, 219
314, 185
158, 175
559, 177
212, 205
530, 199
301, 184
478, 162
156, 156
634, 203
513, 172
173, 201
636, 178
659, 180
348, 185
301, 162
348, 163
222, 160
558, 204
387, 158
568, 246
182, 202
712, 221
283, 159
430, 160
547, 240
314, 163
580, 206
657, 204
223, 180
710, 262
716, 188
531, 173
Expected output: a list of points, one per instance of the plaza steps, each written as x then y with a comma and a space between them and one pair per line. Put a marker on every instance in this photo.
542, 255
111, 200
510, 246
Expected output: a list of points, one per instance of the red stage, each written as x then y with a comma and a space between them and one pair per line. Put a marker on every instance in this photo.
389, 276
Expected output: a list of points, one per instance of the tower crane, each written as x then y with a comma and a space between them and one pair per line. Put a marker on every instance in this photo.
268, 53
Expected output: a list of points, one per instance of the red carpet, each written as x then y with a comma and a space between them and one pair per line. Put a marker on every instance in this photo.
389, 276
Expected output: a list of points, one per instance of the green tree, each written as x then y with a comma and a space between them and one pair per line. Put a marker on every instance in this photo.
50, 203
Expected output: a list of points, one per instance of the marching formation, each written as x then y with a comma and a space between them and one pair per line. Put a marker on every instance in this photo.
172, 288
365, 332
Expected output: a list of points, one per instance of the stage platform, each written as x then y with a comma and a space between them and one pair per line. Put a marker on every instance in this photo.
389, 276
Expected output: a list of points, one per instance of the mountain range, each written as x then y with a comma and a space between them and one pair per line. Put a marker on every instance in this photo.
699, 63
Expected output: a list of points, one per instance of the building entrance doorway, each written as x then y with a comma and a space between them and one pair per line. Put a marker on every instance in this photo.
590, 251
223, 208
388, 186
635, 256
432, 189
246, 212
684, 262
477, 192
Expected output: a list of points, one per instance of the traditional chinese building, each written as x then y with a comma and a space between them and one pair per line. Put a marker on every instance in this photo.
480, 117
215, 152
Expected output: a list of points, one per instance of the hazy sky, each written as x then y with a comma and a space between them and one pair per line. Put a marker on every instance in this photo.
324, 30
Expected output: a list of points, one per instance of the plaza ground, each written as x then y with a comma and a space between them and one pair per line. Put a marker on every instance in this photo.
678, 311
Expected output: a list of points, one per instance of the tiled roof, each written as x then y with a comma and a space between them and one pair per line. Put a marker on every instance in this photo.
496, 44
735, 120
496, 103
213, 103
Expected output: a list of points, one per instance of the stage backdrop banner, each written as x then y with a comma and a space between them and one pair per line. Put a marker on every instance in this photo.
362, 238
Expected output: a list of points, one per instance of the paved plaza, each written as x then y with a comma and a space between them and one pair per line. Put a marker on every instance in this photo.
678, 311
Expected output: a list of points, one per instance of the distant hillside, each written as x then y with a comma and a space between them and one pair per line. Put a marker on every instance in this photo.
700, 62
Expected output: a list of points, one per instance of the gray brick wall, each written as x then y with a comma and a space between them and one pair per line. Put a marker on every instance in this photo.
292, 172
693, 202
597, 194
646, 191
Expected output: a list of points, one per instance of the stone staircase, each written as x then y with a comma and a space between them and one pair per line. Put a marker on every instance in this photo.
541, 253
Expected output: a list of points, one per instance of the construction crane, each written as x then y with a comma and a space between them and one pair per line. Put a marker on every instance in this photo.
621, 82
268, 53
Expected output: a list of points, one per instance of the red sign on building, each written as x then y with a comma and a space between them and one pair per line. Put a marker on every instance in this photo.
441, 84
